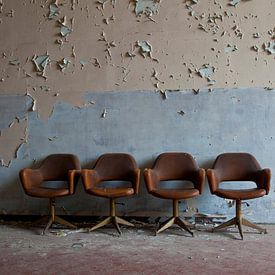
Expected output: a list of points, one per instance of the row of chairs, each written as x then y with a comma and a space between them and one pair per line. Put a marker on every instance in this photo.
167, 167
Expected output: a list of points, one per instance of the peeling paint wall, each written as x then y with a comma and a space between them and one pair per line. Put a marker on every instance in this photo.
102, 49
53, 52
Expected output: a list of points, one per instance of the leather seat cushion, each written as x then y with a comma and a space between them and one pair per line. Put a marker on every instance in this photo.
111, 192
48, 192
175, 194
244, 194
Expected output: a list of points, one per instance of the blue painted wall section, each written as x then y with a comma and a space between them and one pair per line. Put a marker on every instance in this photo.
11, 107
145, 125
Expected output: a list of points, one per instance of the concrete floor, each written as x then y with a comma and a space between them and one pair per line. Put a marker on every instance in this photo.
137, 251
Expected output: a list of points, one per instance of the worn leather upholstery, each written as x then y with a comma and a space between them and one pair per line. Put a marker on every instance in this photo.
56, 167
174, 166
112, 167
238, 167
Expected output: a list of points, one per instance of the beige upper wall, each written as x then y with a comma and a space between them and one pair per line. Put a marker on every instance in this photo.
177, 42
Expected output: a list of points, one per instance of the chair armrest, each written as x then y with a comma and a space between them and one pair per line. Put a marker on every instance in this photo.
213, 180
135, 179
30, 178
89, 178
199, 179
262, 179
151, 179
73, 176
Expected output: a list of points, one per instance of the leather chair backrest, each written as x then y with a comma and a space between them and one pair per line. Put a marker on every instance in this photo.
175, 166
115, 166
236, 167
56, 166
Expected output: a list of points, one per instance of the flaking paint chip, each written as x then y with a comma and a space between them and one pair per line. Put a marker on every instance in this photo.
73, 51
230, 48
41, 62
181, 112
11, 13
52, 138
102, 37
255, 48
1, 6
147, 7
53, 11
83, 63
234, 3
60, 42
270, 47
104, 113
96, 63
14, 62
45, 88
206, 71
63, 64
64, 29
163, 94
130, 54
145, 48
103, 2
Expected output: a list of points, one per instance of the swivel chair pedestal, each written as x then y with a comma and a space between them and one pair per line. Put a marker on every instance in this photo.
112, 219
175, 220
56, 219
239, 220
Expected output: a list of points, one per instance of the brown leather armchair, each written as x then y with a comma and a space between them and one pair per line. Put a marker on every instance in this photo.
56, 167
112, 167
238, 167
174, 166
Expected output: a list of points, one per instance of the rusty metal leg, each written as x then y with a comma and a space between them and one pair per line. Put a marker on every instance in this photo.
254, 226
64, 222
178, 220
239, 224
52, 215
168, 223
239, 217
183, 225
102, 223
225, 224
112, 208
124, 222
175, 208
50, 222
115, 223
